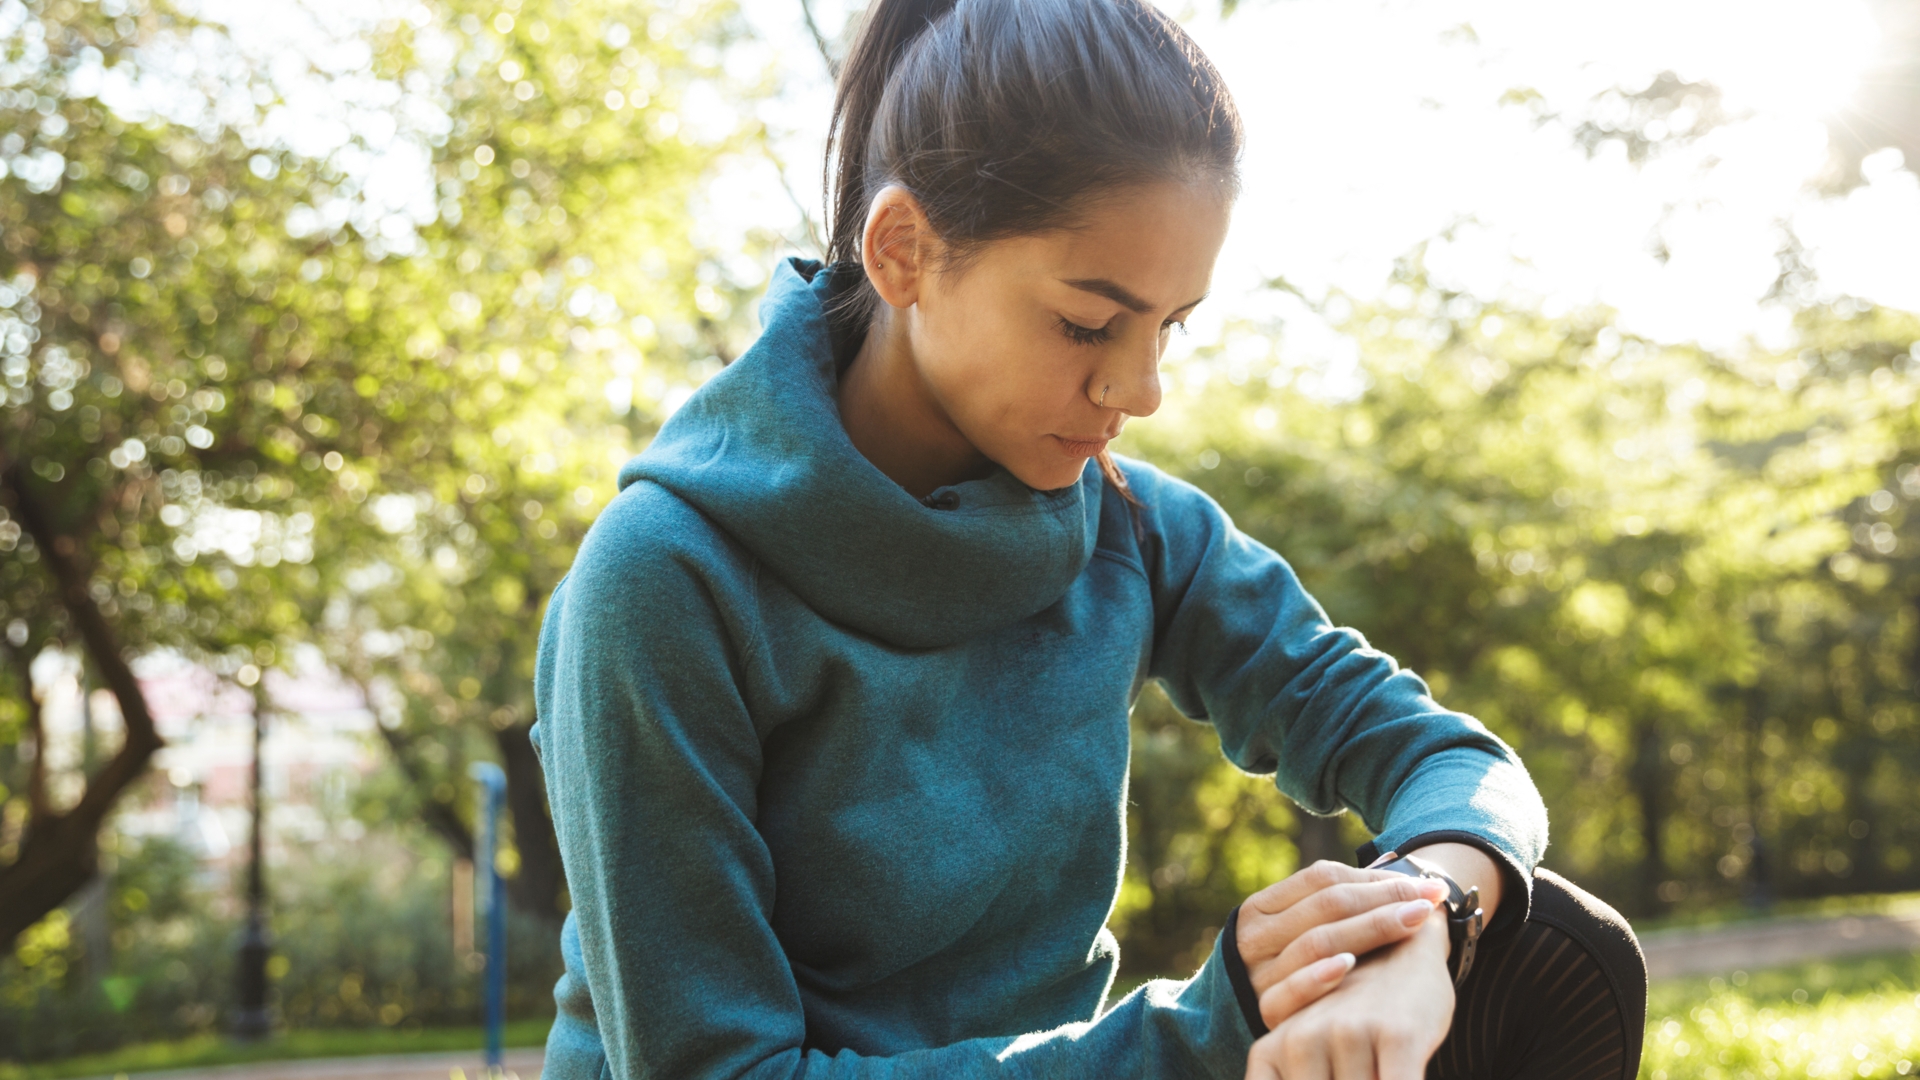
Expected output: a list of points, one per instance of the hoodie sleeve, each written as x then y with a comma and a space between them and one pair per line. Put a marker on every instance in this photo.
653, 763
1238, 642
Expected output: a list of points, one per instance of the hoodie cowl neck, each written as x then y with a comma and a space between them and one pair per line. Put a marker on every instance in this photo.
761, 451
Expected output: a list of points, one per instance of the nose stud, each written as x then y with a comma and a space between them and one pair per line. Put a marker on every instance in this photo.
1103, 396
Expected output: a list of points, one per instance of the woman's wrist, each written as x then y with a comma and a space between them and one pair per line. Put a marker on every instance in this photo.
1471, 868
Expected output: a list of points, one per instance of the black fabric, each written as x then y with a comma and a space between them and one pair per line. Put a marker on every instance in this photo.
1238, 977
1562, 997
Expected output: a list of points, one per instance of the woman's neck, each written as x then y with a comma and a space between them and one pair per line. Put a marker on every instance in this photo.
894, 419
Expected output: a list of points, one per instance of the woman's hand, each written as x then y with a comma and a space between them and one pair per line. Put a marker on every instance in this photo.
1319, 914
1382, 1022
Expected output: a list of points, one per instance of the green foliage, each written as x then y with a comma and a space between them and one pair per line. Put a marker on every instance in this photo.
1671, 579
360, 942
1201, 835
148, 314
265, 407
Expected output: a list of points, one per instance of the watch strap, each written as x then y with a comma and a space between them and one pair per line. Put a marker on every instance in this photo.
1465, 917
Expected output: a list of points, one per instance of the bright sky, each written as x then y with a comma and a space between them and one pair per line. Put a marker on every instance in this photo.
1376, 124
1372, 125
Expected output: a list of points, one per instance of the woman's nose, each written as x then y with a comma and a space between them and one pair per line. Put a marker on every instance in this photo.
1131, 385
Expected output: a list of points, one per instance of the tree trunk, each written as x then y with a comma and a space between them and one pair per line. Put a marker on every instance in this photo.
536, 888
60, 852
37, 807
1759, 883
1319, 838
1649, 788
440, 817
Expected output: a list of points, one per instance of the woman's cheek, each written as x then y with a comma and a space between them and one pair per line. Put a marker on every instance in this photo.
1038, 398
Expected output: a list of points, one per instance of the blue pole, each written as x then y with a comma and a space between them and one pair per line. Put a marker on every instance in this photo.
494, 785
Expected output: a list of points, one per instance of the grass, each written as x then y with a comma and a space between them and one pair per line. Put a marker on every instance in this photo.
1855, 1018
206, 1051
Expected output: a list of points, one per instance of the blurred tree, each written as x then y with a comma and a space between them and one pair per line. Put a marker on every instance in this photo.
217, 350
1834, 746
579, 307
1569, 532
126, 281
1200, 837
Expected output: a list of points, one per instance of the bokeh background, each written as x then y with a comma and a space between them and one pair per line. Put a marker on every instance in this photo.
1569, 352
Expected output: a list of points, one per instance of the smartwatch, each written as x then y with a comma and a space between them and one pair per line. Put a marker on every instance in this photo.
1465, 918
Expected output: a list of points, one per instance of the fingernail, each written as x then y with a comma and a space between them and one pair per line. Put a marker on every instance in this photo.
1335, 966
1415, 912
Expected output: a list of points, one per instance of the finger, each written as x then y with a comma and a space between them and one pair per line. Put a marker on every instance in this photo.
1263, 939
1338, 902
1269, 933
1360, 934
1303, 987
1302, 1055
1303, 883
1351, 1048
1263, 1061
1400, 1059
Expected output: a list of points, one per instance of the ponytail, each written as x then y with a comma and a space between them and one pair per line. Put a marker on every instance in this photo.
891, 26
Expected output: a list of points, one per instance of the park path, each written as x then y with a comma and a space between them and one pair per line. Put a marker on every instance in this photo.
1716, 950
1769, 943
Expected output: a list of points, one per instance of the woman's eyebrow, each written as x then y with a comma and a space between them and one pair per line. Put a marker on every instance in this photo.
1119, 294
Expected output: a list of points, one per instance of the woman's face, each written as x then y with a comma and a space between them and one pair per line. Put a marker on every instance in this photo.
1041, 347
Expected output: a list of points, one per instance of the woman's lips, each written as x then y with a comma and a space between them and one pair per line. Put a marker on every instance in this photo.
1084, 448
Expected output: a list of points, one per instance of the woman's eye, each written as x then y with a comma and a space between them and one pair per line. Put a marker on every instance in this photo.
1172, 325
1084, 335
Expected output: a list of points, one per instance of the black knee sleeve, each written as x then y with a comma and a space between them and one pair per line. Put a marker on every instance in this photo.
1561, 996
1607, 937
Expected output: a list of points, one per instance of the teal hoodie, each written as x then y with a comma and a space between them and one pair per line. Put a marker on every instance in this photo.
840, 775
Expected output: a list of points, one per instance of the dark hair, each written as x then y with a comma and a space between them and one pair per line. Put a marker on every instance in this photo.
1005, 117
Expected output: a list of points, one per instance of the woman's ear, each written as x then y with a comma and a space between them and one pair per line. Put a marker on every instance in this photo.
896, 246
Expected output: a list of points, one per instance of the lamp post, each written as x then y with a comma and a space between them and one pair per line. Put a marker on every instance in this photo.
493, 890
251, 1020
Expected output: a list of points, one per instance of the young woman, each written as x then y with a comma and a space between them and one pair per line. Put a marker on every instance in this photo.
833, 705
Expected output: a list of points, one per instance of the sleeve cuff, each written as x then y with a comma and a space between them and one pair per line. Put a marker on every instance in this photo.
1516, 899
1237, 976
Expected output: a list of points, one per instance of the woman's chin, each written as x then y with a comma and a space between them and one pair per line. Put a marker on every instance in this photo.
1049, 476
